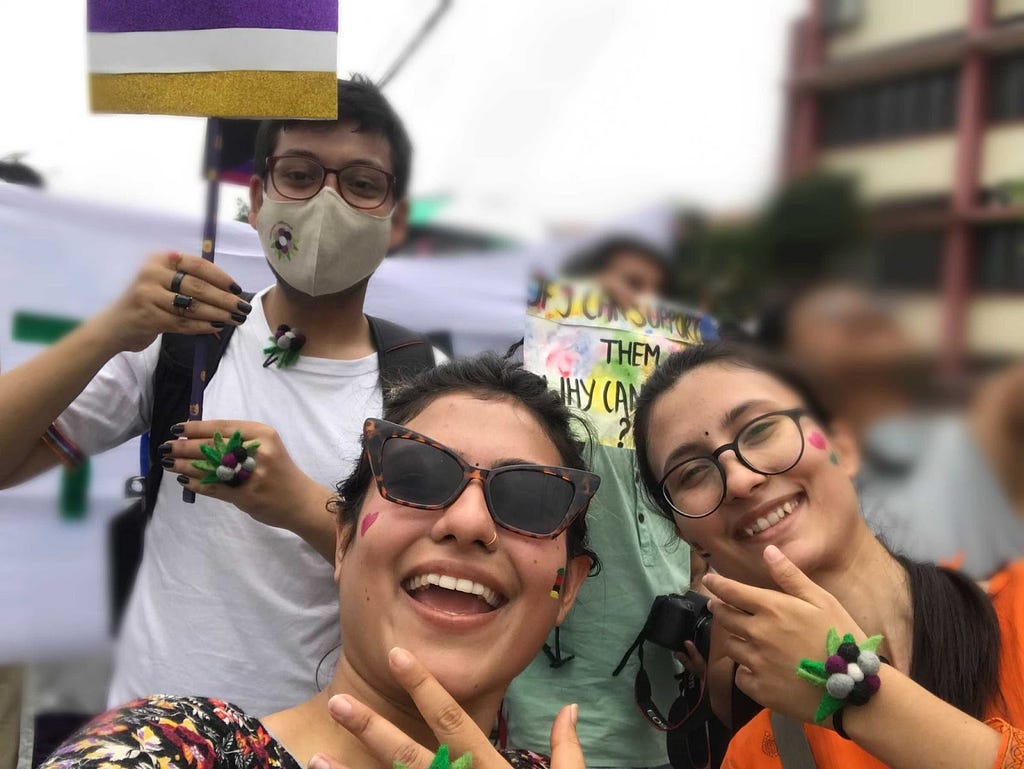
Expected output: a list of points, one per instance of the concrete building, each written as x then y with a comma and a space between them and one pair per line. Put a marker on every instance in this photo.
923, 101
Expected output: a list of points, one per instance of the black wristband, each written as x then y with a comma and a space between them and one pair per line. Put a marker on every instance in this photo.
837, 724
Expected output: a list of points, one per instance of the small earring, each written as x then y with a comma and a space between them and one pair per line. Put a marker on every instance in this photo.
556, 588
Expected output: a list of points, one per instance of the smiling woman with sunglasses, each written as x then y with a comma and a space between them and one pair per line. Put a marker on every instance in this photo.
737, 450
461, 542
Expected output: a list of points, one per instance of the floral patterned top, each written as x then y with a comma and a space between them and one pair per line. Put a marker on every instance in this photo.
190, 733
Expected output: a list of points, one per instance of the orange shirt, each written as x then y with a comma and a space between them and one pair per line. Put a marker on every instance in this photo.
754, 744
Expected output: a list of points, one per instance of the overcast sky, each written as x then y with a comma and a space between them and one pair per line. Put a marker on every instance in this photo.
533, 110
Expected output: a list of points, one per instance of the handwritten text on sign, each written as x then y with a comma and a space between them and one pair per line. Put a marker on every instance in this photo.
597, 355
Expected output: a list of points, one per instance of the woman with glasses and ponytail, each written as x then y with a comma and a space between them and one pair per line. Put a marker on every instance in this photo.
860, 657
462, 541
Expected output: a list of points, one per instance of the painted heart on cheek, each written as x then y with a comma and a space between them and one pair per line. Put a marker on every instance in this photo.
368, 521
817, 440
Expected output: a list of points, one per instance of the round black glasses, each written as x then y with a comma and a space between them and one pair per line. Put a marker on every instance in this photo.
771, 444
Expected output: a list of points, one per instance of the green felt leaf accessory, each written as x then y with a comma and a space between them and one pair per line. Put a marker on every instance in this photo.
442, 760
230, 461
835, 668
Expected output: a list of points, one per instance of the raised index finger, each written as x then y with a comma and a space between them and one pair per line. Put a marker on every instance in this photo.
445, 717
381, 737
746, 598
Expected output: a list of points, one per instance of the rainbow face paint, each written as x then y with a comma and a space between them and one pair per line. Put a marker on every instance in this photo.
556, 588
368, 520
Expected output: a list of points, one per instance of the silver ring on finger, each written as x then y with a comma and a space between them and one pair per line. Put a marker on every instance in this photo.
176, 281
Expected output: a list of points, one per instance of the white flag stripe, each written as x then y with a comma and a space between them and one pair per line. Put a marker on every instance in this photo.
212, 50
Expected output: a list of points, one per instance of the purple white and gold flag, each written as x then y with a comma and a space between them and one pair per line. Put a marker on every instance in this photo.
214, 58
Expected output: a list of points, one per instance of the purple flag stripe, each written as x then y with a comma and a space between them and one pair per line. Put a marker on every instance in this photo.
176, 15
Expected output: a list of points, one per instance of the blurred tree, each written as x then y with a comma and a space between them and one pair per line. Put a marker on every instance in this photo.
809, 229
241, 210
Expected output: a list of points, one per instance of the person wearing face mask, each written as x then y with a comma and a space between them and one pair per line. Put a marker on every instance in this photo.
249, 565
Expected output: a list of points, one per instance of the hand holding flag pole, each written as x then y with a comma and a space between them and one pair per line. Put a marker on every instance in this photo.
216, 59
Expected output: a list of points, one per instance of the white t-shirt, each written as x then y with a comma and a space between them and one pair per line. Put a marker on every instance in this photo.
224, 606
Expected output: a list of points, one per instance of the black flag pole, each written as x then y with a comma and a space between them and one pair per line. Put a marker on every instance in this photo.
211, 171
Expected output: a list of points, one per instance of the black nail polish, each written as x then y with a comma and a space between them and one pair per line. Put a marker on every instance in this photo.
218, 323
235, 289
177, 429
164, 450
183, 480
238, 317
167, 461
245, 307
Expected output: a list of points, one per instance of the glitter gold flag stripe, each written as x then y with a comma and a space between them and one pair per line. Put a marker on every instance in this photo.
240, 94
212, 50
214, 58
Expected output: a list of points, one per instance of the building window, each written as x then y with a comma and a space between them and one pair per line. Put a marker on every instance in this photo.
920, 104
999, 262
907, 261
1007, 83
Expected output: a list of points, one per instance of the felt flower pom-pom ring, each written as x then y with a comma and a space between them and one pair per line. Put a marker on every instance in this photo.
230, 462
849, 674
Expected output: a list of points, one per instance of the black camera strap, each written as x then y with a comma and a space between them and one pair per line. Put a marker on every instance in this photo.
688, 738
690, 702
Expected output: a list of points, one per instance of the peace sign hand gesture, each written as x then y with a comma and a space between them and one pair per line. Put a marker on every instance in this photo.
449, 722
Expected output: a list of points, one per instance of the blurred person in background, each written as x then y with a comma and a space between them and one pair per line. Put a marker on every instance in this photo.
935, 484
234, 596
626, 267
640, 557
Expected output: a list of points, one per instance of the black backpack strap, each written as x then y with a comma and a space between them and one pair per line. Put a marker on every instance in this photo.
401, 353
172, 390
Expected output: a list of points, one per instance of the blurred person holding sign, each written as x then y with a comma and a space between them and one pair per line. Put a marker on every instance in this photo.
596, 335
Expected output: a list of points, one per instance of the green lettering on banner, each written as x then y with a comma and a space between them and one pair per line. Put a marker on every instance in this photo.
46, 329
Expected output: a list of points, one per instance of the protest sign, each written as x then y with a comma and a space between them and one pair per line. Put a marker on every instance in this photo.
597, 355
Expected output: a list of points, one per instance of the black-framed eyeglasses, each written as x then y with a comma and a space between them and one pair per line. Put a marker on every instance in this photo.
297, 177
410, 469
771, 444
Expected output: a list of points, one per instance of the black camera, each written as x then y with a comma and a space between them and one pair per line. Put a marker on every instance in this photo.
675, 618
672, 621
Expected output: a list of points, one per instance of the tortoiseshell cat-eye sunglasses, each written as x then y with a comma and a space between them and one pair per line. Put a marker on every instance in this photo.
537, 501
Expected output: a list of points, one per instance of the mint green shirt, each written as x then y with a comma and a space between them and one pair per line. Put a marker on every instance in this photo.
641, 557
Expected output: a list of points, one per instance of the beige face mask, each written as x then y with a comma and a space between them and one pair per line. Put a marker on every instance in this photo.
321, 245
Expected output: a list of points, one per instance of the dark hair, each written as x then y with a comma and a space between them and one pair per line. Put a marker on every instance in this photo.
596, 258
956, 640
359, 100
487, 377
690, 358
956, 644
